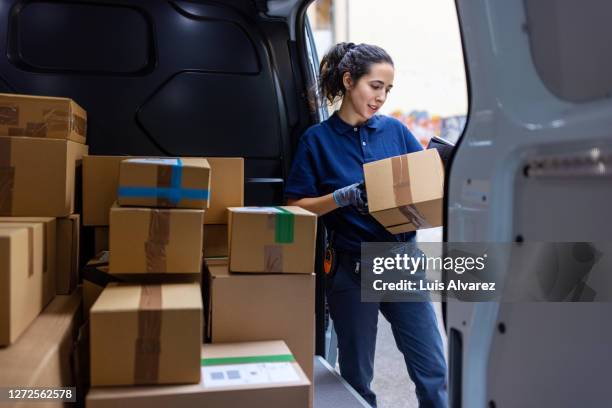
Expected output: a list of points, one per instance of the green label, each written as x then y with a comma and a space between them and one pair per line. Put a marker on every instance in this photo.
276, 358
285, 221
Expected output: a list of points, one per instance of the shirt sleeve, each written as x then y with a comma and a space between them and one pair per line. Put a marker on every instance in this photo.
412, 142
302, 180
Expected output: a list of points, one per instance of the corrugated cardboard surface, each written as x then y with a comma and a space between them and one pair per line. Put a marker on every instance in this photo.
249, 307
101, 178
146, 334
21, 278
181, 174
292, 394
42, 116
405, 193
215, 240
146, 240
40, 175
41, 357
290, 253
49, 261
68, 237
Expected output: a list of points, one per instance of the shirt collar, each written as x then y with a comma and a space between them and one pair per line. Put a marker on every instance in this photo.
342, 127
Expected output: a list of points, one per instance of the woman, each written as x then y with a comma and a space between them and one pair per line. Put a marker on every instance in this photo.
326, 179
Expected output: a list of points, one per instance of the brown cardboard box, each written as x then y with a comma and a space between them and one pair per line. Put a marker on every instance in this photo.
68, 236
37, 176
164, 182
215, 241
405, 193
49, 250
101, 178
248, 307
42, 116
286, 238
287, 387
96, 277
21, 279
101, 239
146, 334
148, 240
226, 187
41, 357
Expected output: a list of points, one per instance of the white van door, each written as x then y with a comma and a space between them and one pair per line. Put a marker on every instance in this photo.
534, 165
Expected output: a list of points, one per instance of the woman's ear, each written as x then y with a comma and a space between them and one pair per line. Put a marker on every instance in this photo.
347, 81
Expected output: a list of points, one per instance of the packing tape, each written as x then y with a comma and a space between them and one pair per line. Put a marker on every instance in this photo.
155, 246
273, 258
414, 217
285, 222
402, 192
148, 344
9, 115
78, 124
7, 176
56, 120
272, 358
164, 180
174, 193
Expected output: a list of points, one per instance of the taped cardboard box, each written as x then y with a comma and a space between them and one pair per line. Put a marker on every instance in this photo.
405, 193
249, 307
148, 240
215, 241
49, 251
146, 334
286, 239
96, 277
164, 182
101, 180
42, 356
21, 279
253, 374
37, 176
68, 247
42, 116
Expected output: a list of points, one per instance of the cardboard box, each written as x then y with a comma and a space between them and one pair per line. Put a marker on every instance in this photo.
96, 277
68, 237
49, 251
42, 116
37, 176
215, 241
42, 356
226, 187
286, 239
275, 381
101, 179
101, 239
164, 182
148, 240
405, 193
146, 334
21, 279
249, 307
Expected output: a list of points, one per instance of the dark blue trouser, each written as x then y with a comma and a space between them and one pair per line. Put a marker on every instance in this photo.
414, 328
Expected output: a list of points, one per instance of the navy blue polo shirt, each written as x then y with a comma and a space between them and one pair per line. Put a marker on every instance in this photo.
330, 155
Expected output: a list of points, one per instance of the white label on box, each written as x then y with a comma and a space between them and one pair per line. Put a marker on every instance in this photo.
247, 374
151, 160
257, 210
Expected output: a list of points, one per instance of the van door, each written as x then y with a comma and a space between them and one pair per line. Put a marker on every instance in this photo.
533, 165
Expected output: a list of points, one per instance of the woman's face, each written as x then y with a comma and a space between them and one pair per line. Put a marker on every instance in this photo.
370, 92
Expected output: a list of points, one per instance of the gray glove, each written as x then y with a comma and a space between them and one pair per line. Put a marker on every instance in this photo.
354, 195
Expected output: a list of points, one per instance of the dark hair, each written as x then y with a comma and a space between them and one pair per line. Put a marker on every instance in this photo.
347, 57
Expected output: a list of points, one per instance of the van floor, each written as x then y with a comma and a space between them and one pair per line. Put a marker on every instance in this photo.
392, 386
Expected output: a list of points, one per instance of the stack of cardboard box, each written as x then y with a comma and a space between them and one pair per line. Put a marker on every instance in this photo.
42, 142
265, 289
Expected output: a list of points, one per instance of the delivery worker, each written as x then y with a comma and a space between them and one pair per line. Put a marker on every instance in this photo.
326, 178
